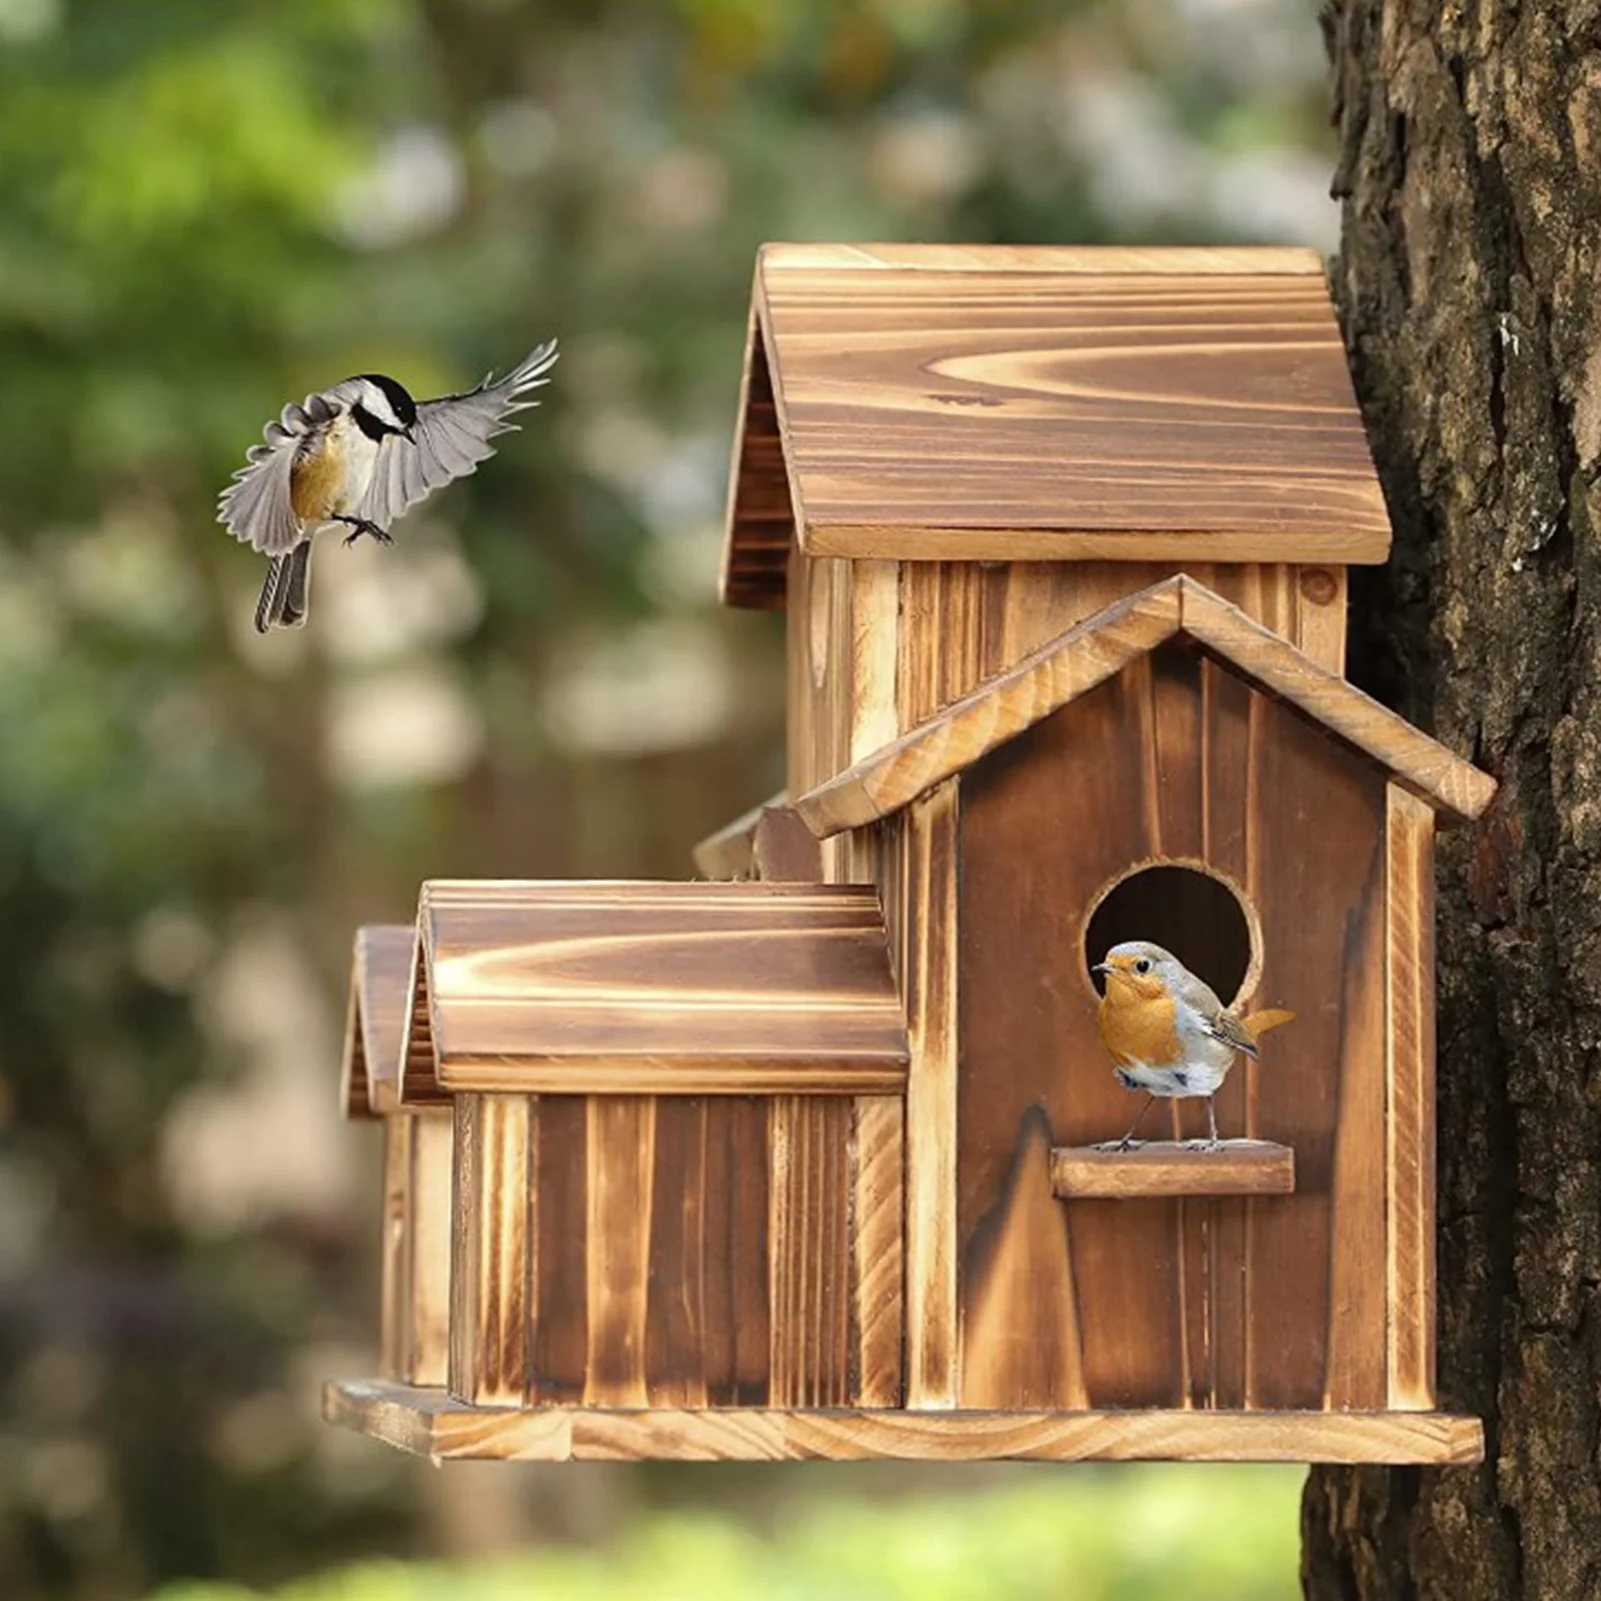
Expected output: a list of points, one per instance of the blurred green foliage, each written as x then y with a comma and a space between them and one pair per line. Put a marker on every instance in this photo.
1142, 1534
207, 209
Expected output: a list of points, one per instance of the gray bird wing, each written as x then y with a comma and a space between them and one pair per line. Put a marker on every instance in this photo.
1228, 1028
450, 437
255, 507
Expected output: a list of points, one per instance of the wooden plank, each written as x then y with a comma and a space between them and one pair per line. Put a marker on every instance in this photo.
429, 1423
878, 1173
1409, 1091
1162, 1169
621, 1158
933, 946
1182, 260
354, 1091
706, 1337
661, 988
875, 627
493, 1265
1316, 1317
1425, 766
394, 1291
729, 853
559, 1292
429, 1204
965, 415
1320, 596
998, 711
809, 1250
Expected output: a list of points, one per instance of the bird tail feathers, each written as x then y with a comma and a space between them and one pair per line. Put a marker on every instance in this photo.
1256, 1024
284, 590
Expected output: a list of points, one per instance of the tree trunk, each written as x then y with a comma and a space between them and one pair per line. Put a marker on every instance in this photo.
1468, 284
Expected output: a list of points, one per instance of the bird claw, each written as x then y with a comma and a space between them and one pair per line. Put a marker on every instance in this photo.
361, 525
1117, 1145
1203, 1145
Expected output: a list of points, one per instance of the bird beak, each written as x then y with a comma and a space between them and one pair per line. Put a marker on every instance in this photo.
408, 435
1102, 967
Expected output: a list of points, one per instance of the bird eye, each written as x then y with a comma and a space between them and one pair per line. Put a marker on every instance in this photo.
1143, 965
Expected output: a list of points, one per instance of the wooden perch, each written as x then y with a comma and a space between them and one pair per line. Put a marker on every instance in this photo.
1163, 1169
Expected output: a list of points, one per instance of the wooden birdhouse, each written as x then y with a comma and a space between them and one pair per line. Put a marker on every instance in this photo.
808, 1161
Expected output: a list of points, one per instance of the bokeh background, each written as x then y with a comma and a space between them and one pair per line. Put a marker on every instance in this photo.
207, 209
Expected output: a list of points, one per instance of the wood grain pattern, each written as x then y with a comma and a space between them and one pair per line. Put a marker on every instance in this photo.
809, 1250
375, 1021
1163, 1169
933, 943
760, 523
661, 988
878, 1176
493, 1262
1144, 260
394, 1258
428, 1245
1437, 774
998, 711
622, 1158
419, 1082
1409, 1090
1222, 1304
428, 1423
1147, 417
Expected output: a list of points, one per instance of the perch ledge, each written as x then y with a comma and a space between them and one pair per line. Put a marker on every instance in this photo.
1162, 1169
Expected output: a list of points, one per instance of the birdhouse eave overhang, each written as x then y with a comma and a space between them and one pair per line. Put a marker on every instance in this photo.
375, 1019
1009, 702
1042, 403
651, 988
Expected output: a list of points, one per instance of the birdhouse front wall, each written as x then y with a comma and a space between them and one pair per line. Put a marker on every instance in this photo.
415, 1291
676, 1250
1320, 1299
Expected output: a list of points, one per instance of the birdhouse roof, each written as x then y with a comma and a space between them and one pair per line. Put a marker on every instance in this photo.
1006, 403
375, 1022
1056, 674
652, 988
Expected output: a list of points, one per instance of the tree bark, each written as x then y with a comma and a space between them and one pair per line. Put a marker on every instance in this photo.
1468, 285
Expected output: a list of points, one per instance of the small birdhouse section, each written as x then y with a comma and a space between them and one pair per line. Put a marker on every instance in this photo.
824, 1158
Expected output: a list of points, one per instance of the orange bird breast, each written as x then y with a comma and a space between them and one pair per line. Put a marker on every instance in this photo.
1138, 1028
316, 481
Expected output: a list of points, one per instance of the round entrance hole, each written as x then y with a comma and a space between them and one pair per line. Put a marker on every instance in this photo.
1187, 909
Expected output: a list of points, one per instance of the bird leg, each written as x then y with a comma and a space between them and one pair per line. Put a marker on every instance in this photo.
363, 525
1214, 1143
1128, 1141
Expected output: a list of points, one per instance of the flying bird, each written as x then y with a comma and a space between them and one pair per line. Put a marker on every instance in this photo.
360, 454
1167, 1032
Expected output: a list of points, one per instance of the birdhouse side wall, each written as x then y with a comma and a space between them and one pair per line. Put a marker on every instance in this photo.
415, 1293
1241, 1303
875, 647
663, 1251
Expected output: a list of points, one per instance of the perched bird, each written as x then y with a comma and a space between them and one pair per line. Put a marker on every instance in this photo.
359, 454
1167, 1032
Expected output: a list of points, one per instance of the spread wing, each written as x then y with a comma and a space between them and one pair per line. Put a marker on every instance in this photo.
256, 507
450, 437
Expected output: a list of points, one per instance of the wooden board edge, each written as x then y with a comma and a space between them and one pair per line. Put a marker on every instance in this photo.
1410, 1213
1431, 770
1210, 260
356, 1103
1164, 1170
659, 1074
427, 1423
924, 541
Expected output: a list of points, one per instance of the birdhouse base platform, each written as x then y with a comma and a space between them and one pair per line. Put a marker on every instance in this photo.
428, 1422
1162, 1169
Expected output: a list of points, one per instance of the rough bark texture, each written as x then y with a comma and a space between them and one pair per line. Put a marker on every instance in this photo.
1469, 283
